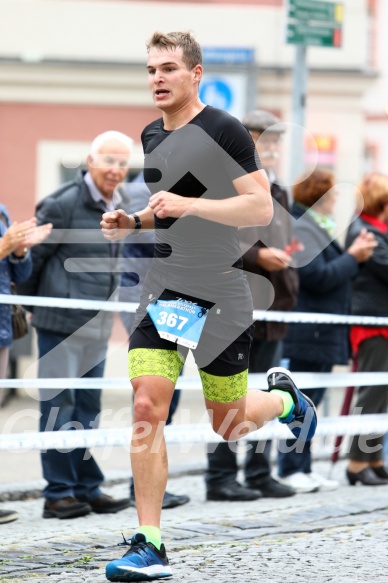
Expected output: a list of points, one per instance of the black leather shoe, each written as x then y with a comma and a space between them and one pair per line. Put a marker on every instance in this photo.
380, 471
367, 477
68, 507
105, 504
271, 488
172, 500
234, 492
169, 500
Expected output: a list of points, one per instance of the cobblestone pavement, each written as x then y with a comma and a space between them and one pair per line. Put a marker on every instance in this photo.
337, 537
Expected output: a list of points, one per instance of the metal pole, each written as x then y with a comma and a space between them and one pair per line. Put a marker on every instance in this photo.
299, 89
252, 97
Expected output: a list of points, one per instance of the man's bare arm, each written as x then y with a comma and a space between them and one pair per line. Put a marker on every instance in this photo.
252, 207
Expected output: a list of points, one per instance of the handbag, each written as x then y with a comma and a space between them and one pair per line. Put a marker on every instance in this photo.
19, 319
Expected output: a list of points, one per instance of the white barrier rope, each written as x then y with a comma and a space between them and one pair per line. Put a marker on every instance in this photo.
304, 380
201, 433
69, 303
262, 315
352, 425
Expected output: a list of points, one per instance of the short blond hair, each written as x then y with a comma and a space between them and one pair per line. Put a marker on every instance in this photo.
192, 52
374, 190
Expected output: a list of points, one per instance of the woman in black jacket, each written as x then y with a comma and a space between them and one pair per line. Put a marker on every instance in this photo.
325, 271
370, 345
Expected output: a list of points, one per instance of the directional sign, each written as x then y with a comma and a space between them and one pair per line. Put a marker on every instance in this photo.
314, 22
301, 33
313, 10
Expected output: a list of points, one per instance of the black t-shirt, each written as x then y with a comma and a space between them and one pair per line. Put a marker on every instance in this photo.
200, 159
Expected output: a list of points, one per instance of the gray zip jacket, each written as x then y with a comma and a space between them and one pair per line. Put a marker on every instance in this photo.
73, 264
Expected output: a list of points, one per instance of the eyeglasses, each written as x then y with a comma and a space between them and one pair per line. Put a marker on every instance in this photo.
110, 161
267, 138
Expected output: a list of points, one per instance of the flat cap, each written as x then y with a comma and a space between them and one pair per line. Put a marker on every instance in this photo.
261, 120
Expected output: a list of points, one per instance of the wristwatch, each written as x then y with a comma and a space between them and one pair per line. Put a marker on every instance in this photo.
138, 223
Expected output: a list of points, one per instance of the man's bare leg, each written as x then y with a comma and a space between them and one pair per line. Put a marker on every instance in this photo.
148, 451
253, 410
284, 400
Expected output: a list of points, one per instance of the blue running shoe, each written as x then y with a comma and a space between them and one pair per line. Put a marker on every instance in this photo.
302, 420
142, 562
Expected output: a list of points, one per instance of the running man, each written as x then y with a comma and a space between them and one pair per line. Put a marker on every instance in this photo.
206, 181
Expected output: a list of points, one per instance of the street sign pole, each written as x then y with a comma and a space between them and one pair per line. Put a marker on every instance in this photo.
298, 104
308, 23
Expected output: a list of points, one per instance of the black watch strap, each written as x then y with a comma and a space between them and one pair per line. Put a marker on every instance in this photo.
138, 222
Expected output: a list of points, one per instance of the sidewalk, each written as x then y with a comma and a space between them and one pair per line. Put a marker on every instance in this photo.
337, 537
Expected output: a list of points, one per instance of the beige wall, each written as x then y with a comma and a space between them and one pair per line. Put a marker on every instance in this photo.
375, 102
80, 69
116, 31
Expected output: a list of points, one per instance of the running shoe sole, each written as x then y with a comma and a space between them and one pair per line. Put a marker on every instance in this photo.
145, 574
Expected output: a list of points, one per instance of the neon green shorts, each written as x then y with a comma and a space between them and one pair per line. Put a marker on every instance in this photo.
169, 363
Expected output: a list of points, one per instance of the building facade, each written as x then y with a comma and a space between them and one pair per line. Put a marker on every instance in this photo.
72, 69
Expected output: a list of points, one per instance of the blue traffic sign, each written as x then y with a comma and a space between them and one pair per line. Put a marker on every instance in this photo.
216, 92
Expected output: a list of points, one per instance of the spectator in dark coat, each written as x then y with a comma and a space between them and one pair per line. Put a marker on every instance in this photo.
325, 274
73, 343
264, 254
370, 345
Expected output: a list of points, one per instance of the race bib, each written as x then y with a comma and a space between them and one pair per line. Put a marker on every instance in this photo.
178, 320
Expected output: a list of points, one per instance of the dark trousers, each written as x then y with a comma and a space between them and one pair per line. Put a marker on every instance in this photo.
222, 462
291, 461
70, 473
372, 357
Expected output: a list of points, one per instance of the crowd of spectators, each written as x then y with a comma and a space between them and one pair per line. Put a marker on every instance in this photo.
303, 260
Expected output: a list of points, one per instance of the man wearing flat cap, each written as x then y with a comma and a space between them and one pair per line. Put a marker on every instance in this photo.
269, 257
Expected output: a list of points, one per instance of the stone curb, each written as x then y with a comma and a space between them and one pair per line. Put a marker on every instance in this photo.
33, 489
